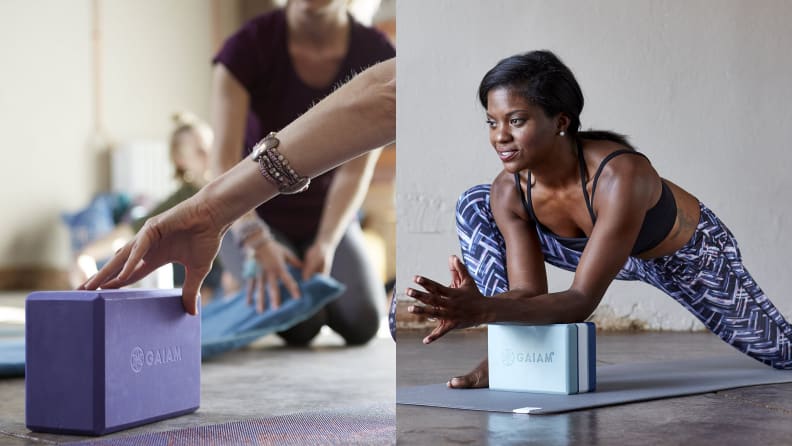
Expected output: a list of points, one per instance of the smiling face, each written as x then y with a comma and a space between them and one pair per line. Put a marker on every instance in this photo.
521, 133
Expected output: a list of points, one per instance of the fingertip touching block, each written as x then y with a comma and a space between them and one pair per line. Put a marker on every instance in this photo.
558, 358
102, 361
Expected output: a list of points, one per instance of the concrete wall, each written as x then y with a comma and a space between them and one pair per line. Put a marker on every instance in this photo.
155, 59
701, 87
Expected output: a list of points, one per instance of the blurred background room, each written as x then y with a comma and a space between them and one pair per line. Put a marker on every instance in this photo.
93, 95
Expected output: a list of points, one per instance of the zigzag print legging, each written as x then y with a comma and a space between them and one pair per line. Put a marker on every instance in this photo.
706, 276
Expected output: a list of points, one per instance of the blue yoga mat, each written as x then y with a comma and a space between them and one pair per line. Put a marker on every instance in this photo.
616, 384
226, 323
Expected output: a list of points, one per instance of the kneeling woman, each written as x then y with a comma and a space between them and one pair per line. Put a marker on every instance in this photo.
586, 202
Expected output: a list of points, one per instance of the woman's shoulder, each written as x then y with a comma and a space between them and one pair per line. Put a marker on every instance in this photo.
261, 33
601, 148
503, 183
267, 20
610, 162
371, 43
505, 195
608, 157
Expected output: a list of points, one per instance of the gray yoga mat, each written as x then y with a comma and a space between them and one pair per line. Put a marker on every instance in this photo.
616, 384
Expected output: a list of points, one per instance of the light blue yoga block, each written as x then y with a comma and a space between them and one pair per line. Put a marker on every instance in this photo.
557, 358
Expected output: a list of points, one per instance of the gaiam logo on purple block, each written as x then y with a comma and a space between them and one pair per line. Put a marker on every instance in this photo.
137, 359
140, 357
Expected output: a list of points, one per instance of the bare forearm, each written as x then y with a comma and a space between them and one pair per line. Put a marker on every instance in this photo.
223, 162
358, 117
230, 103
345, 197
564, 307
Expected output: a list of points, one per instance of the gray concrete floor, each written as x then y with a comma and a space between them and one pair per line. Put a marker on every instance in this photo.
264, 380
760, 415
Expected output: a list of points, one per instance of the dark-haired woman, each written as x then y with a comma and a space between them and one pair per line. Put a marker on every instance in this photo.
586, 202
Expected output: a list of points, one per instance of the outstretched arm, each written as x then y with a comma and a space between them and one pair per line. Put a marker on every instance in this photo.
624, 192
230, 104
524, 266
358, 117
346, 195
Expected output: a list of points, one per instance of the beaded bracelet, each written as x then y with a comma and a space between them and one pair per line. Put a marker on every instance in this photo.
275, 167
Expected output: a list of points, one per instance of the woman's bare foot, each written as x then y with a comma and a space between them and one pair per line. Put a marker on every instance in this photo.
478, 377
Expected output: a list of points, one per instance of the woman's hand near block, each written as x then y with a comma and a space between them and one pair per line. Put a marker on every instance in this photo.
356, 118
458, 305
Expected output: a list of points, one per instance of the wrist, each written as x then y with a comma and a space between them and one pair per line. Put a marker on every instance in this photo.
504, 309
251, 231
256, 241
209, 202
235, 193
326, 244
275, 167
491, 310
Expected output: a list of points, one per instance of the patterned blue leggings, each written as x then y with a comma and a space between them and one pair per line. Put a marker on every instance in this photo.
706, 276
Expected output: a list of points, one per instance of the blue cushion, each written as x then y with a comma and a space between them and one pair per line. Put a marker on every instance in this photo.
90, 223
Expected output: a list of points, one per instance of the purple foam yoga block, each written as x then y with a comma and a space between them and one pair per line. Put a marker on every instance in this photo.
101, 361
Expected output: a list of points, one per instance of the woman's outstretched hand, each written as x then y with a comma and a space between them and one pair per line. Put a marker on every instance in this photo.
328, 134
458, 305
271, 269
188, 233
318, 260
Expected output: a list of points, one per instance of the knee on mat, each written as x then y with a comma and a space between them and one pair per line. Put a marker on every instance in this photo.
360, 335
303, 333
297, 339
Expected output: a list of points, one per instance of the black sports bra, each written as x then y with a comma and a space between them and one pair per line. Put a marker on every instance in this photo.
657, 224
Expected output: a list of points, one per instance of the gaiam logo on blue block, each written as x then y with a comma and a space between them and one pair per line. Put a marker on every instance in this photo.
140, 358
510, 357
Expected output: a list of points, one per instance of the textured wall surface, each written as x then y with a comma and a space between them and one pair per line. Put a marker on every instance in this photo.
701, 87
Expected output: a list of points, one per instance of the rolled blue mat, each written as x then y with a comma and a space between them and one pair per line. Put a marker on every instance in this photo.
231, 323
226, 324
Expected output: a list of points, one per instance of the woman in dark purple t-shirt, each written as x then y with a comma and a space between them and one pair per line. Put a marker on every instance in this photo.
266, 75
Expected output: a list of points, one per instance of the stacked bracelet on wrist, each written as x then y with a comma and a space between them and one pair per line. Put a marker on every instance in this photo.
275, 167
